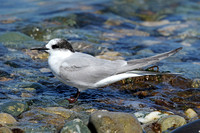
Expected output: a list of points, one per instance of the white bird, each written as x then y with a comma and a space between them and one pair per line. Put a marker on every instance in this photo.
85, 71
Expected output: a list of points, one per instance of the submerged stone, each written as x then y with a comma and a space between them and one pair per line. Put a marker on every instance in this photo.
75, 126
14, 108
50, 116
17, 40
14, 37
102, 122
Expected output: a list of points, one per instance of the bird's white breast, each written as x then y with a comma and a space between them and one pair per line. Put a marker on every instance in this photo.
56, 59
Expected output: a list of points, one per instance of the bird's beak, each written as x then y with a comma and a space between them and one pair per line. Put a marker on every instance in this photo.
40, 48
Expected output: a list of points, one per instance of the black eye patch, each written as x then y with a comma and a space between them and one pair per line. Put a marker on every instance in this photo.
55, 46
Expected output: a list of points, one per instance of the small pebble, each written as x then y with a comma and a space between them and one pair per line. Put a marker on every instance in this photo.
190, 113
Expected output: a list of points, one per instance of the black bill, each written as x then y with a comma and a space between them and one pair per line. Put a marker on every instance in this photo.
41, 48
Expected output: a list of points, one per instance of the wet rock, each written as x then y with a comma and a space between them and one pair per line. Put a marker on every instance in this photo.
155, 23
145, 52
32, 86
14, 108
102, 122
75, 126
14, 37
16, 40
51, 116
132, 32
190, 113
35, 54
37, 128
59, 111
5, 130
170, 29
146, 117
7, 119
110, 55
192, 127
196, 83
24, 94
172, 121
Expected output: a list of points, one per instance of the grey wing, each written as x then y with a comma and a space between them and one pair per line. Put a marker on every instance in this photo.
85, 70
139, 63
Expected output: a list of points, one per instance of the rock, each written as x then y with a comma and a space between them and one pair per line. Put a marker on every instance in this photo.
50, 116
145, 52
14, 37
14, 108
35, 54
25, 95
170, 29
192, 127
29, 127
155, 23
5, 130
171, 121
196, 83
132, 32
75, 126
190, 113
145, 117
7, 119
111, 55
16, 40
59, 111
104, 122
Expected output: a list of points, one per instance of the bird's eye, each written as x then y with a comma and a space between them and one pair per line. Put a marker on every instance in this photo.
55, 46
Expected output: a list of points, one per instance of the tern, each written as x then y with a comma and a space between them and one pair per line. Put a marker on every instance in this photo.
84, 71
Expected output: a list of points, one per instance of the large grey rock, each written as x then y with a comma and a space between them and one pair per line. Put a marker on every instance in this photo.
112, 122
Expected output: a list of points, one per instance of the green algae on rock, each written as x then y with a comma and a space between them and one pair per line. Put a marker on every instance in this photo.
14, 108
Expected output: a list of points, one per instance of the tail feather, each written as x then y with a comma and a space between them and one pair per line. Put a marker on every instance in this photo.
139, 63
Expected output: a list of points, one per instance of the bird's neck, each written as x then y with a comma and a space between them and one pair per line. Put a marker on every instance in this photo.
56, 58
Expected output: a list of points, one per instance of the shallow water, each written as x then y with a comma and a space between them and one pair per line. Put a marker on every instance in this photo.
133, 28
